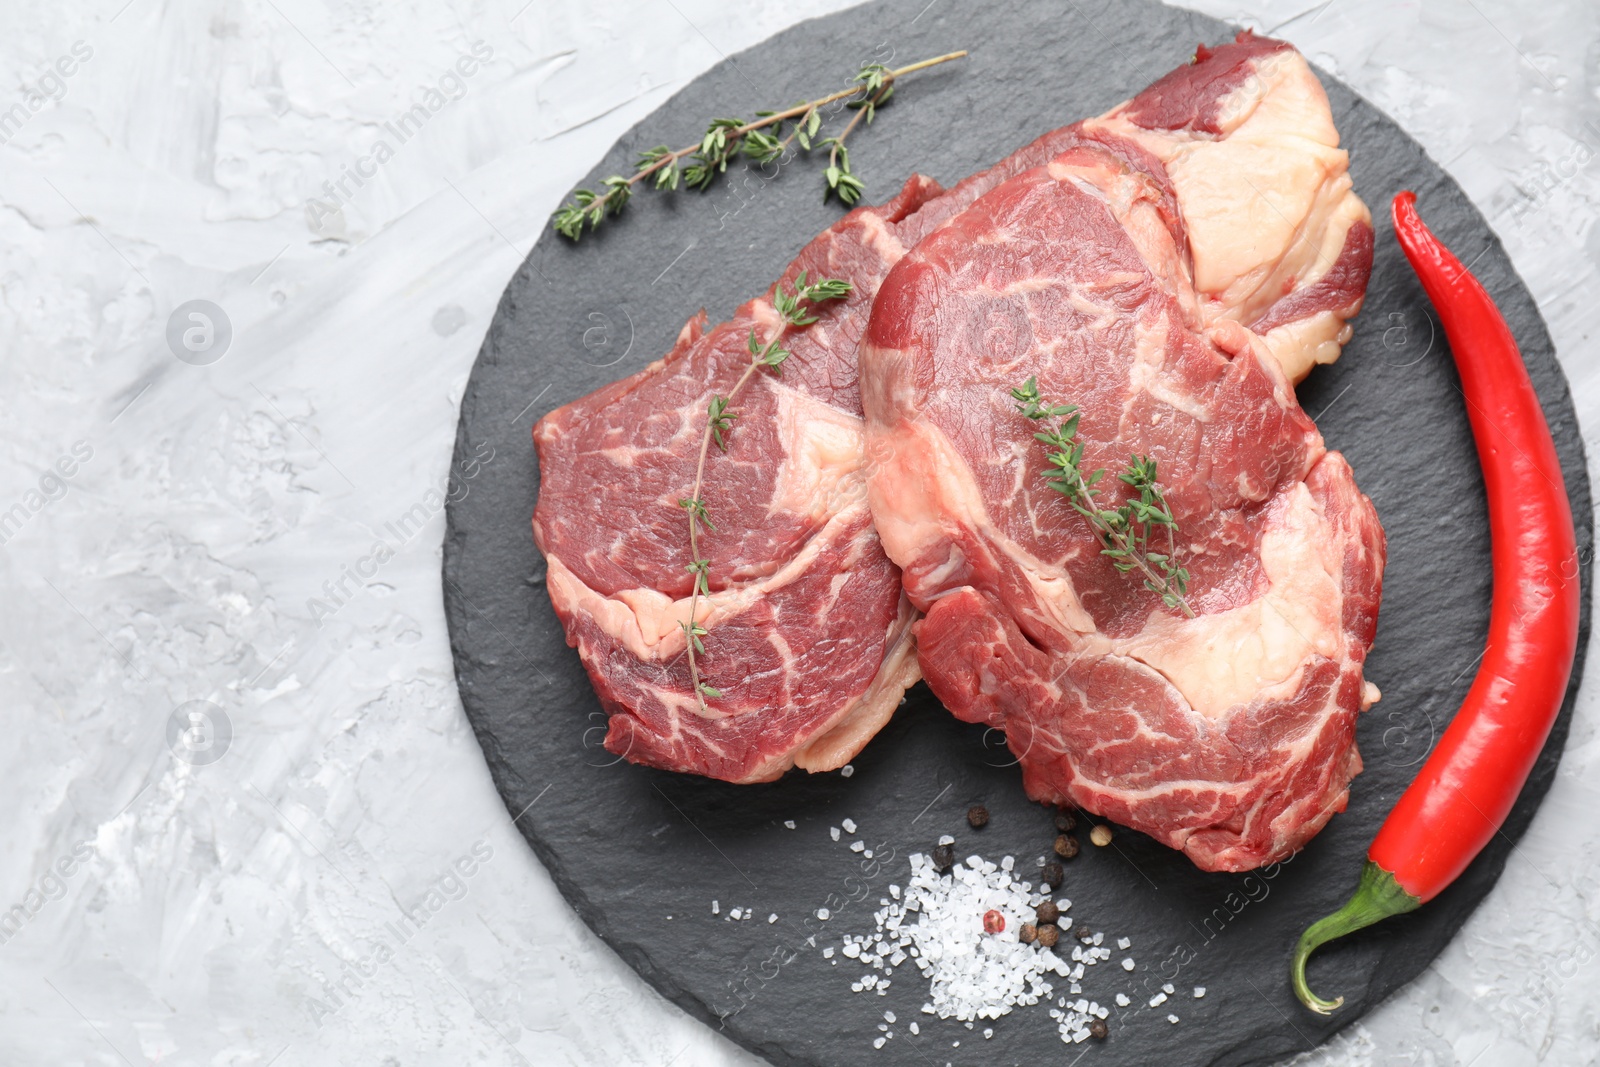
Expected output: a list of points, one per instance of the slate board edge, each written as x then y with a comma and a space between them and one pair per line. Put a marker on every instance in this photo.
508, 782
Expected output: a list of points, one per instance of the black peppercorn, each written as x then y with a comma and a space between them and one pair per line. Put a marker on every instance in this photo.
1047, 935
1051, 874
1098, 1029
1065, 821
1047, 912
977, 816
944, 857
1084, 934
1066, 846
1027, 933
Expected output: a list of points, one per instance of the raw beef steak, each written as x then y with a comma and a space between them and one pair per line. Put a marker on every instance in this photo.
1170, 272
809, 638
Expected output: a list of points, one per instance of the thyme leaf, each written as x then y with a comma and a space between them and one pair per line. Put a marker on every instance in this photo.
719, 420
763, 140
796, 309
1124, 531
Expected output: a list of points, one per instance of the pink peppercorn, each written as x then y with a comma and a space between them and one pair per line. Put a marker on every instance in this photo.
993, 922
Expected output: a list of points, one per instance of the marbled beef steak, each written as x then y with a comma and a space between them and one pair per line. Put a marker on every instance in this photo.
1171, 273
808, 632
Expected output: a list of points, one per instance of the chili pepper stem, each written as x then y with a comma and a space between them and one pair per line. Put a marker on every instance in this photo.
1377, 897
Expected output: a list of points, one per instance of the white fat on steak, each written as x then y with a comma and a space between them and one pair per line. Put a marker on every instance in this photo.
824, 451
1267, 202
1259, 649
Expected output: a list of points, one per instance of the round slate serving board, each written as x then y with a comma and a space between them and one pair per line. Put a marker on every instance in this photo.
641, 854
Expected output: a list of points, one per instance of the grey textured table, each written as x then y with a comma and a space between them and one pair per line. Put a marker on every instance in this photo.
342, 885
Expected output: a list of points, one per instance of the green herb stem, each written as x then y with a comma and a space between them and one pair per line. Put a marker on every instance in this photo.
794, 311
725, 138
1124, 532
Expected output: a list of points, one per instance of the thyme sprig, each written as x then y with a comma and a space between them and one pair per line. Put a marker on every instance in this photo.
1124, 531
762, 140
795, 310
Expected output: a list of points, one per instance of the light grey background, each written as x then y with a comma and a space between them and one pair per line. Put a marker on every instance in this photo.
209, 907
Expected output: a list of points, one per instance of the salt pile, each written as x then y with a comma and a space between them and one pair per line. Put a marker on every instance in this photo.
937, 923
972, 974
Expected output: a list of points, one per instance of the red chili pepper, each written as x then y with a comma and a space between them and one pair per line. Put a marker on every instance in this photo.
1466, 788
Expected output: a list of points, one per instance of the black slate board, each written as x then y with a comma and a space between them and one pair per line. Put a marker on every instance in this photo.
630, 846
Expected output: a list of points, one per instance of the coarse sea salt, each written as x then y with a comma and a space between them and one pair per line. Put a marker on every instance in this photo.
789, 823
833, 832
936, 922
849, 825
